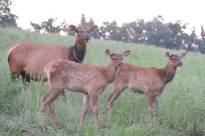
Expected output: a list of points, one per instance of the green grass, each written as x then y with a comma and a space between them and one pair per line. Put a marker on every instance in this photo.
181, 106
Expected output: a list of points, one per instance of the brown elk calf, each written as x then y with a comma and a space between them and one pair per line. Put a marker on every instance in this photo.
88, 79
148, 81
28, 59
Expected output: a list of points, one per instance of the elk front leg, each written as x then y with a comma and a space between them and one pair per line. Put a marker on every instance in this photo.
112, 98
115, 93
152, 105
86, 100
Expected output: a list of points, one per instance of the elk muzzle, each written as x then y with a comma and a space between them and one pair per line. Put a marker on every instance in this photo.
180, 64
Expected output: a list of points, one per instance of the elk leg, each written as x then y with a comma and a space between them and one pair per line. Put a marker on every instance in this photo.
113, 97
51, 106
111, 100
152, 105
42, 105
52, 94
63, 95
86, 100
94, 104
14, 75
25, 79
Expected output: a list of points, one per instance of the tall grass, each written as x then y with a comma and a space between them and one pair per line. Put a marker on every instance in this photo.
181, 106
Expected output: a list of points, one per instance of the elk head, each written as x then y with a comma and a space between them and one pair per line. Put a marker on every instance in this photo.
175, 60
117, 58
83, 33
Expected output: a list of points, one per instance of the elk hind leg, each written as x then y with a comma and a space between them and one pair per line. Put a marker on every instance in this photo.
51, 106
52, 94
94, 104
25, 79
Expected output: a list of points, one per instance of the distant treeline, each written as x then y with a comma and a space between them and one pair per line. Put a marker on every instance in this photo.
155, 32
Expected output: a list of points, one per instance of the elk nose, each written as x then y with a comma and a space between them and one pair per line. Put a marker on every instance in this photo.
180, 64
86, 40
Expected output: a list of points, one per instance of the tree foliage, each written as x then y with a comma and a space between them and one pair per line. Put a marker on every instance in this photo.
48, 26
155, 32
6, 17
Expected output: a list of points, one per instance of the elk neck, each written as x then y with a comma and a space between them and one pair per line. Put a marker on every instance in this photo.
77, 53
111, 71
168, 73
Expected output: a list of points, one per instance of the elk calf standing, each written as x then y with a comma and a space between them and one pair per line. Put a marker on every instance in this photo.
148, 81
88, 79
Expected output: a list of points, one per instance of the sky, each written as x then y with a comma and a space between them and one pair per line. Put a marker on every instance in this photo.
122, 11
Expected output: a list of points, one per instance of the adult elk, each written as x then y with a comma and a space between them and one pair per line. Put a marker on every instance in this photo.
88, 79
148, 81
28, 59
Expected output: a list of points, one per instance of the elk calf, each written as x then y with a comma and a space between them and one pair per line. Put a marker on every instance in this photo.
88, 79
148, 81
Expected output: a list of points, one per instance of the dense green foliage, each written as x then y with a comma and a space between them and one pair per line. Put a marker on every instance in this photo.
6, 17
181, 106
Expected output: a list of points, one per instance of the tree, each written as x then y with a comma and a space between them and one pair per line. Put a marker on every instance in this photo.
83, 21
6, 17
91, 22
202, 41
36, 26
202, 33
49, 26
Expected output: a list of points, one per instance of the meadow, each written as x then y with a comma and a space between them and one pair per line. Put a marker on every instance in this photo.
181, 105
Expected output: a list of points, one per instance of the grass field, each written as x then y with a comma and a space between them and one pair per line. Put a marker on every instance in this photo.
181, 106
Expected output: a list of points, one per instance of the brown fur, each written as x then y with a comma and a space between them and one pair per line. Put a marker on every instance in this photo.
88, 79
148, 81
28, 59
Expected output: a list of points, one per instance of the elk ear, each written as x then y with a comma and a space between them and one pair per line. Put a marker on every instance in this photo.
107, 52
167, 54
73, 28
126, 53
183, 54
